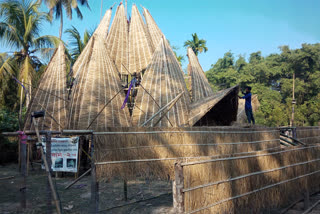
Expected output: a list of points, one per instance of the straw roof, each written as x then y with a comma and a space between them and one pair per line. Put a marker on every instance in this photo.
164, 81
200, 87
199, 109
153, 29
118, 40
241, 117
97, 83
140, 49
102, 31
51, 94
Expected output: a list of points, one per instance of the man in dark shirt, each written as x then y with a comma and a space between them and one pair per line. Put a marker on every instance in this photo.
248, 106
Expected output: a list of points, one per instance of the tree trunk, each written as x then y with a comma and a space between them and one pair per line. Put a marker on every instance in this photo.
61, 23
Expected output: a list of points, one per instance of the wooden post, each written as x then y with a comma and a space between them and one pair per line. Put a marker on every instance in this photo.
81, 140
178, 194
23, 159
28, 157
48, 158
94, 205
306, 200
125, 190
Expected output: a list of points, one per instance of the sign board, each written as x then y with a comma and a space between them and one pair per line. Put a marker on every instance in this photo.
64, 154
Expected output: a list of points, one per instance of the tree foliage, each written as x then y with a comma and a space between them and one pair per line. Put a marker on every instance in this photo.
271, 78
197, 45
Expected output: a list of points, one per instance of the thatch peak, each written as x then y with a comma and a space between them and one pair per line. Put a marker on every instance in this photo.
118, 40
153, 29
200, 87
103, 27
51, 94
162, 82
140, 48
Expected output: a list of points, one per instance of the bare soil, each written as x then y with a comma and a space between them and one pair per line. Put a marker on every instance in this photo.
143, 196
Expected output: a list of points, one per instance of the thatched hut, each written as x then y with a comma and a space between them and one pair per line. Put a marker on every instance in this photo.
162, 82
51, 94
96, 94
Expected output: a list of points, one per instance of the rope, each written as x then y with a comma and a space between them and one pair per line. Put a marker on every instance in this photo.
247, 175
190, 132
251, 192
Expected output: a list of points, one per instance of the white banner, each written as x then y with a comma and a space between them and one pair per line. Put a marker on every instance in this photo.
64, 154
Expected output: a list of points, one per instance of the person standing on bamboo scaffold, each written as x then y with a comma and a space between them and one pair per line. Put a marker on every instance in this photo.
248, 107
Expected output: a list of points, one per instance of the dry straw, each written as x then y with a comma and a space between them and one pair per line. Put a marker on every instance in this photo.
254, 184
309, 135
157, 149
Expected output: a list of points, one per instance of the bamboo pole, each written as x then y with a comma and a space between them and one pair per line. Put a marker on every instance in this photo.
94, 205
48, 170
78, 179
178, 194
23, 186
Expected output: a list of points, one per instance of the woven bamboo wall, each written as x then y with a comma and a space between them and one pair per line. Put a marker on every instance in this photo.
163, 81
97, 83
236, 185
118, 40
140, 49
200, 87
309, 135
51, 95
134, 144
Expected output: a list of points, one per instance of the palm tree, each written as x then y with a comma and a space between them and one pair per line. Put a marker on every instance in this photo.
56, 6
76, 43
20, 23
197, 45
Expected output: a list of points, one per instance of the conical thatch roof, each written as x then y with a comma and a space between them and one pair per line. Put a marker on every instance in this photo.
164, 81
102, 32
118, 40
51, 95
140, 49
218, 109
153, 29
200, 87
241, 117
97, 82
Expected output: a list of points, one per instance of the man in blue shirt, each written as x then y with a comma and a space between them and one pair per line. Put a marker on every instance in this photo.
248, 106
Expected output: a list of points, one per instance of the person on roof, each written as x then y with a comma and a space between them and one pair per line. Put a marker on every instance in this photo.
248, 106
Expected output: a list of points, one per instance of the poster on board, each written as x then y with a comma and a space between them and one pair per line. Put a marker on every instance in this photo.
64, 154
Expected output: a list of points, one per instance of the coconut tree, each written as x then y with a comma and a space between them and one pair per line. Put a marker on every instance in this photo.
56, 7
197, 45
20, 23
77, 44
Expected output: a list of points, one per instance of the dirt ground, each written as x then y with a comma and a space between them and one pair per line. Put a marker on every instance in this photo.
155, 197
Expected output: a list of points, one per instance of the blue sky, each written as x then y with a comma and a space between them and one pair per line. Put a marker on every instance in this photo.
242, 26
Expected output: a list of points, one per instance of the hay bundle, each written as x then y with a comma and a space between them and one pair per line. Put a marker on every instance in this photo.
162, 82
51, 95
118, 40
140, 49
200, 87
127, 149
236, 181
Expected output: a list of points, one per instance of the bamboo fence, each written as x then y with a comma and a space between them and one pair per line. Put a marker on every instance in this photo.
151, 152
255, 183
309, 135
